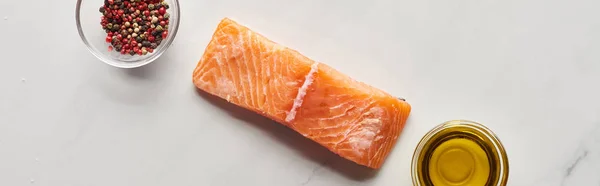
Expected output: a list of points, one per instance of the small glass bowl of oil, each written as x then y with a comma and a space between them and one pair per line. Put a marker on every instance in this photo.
460, 153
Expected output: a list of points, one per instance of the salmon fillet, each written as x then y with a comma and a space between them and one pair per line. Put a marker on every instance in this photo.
350, 118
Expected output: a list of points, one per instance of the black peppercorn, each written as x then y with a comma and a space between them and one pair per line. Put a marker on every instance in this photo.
153, 45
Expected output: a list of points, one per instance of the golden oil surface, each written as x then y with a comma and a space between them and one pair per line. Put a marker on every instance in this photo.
460, 153
458, 162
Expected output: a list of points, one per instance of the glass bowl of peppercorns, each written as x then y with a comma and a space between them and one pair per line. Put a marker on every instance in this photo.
127, 33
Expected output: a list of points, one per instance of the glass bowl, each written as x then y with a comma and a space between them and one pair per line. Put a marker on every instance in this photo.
460, 129
88, 17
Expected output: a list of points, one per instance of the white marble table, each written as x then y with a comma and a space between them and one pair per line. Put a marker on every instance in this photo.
528, 69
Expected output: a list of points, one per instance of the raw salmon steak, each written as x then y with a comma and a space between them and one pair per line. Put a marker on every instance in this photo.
350, 118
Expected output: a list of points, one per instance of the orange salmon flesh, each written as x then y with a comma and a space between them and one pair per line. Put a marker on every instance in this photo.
350, 118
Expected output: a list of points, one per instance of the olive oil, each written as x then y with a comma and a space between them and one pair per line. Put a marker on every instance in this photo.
459, 162
460, 153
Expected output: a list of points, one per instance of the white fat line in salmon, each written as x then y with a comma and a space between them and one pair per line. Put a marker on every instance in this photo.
302, 92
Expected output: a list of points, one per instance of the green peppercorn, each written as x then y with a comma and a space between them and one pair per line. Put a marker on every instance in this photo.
109, 26
167, 15
151, 6
135, 25
166, 27
159, 28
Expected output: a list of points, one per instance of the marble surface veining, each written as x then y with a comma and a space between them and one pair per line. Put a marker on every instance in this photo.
527, 69
582, 167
